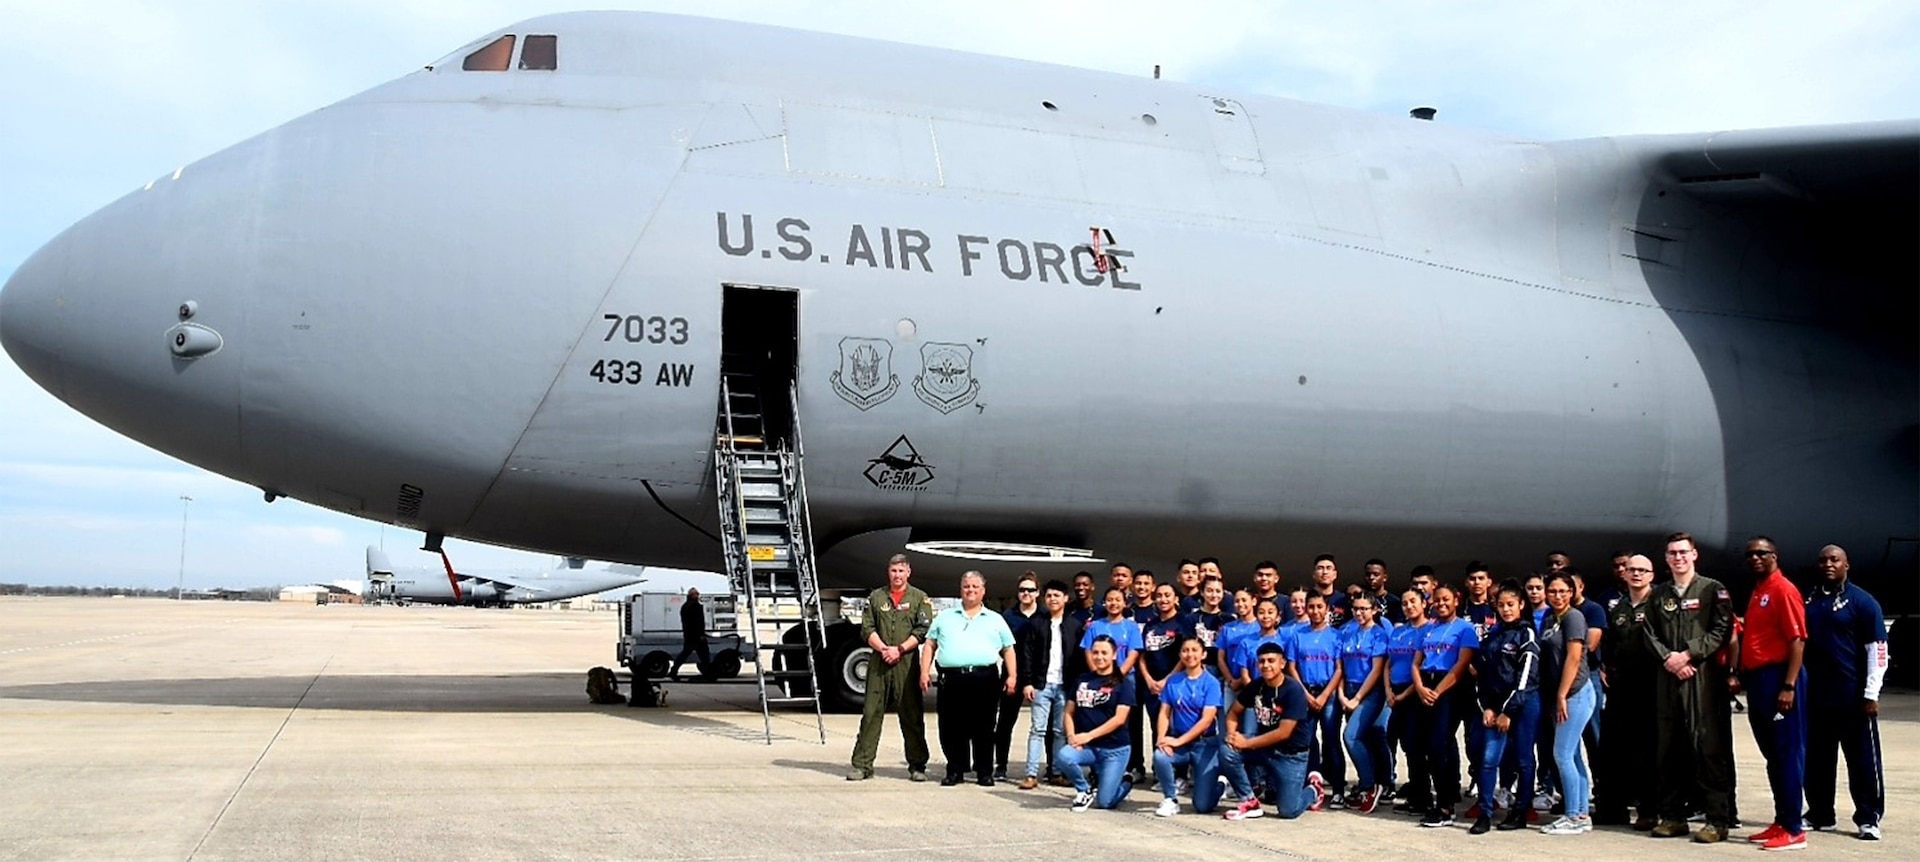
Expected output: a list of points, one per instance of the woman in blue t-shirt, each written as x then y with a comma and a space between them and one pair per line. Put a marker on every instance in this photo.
1403, 643
1363, 662
1445, 653
1119, 626
1095, 725
1189, 706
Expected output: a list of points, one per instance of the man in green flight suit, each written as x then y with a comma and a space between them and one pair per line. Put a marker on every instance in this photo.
1689, 620
894, 626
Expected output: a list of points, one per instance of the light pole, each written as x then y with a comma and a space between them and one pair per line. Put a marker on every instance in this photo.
179, 586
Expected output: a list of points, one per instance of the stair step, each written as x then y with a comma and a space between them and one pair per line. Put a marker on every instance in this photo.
789, 701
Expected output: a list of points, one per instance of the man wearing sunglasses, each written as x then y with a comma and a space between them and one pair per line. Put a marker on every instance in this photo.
1018, 616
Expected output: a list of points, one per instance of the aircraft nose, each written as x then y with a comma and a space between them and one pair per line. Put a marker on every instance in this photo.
123, 317
30, 318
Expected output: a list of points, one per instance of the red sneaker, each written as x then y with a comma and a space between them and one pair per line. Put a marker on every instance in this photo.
1369, 801
1783, 841
1319, 787
1767, 834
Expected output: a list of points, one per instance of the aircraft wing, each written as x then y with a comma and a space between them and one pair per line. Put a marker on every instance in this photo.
1811, 164
555, 586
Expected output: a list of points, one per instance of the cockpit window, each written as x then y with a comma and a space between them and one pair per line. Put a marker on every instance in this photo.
492, 58
541, 54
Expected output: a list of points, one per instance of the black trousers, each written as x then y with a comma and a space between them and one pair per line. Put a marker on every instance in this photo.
1436, 758
969, 700
1626, 746
1857, 735
1011, 706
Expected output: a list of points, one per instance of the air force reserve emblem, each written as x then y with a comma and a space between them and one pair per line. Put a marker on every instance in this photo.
946, 379
865, 376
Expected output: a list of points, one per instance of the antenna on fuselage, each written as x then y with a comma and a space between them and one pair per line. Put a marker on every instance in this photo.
1423, 113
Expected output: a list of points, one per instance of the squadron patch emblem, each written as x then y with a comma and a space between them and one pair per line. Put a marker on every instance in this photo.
865, 376
946, 379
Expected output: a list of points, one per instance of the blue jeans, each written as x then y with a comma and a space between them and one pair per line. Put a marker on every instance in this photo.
1576, 789
1324, 755
1204, 755
1047, 715
1286, 774
1519, 740
1109, 763
1366, 738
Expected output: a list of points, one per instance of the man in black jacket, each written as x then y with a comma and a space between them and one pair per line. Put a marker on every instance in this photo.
1049, 662
693, 631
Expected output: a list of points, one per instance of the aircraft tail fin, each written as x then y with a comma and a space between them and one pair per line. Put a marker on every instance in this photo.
377, 563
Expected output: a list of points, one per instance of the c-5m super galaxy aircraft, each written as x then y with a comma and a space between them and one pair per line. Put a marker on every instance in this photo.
1022, 312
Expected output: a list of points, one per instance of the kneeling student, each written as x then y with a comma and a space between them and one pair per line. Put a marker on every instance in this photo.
1096, 728
1280, 741
1189, 709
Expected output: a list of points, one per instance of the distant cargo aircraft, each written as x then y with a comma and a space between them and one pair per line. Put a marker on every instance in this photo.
435, 585
1030, 316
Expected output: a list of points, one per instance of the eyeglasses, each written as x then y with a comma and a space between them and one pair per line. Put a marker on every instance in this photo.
1641, 569
1029, 589
1759, 553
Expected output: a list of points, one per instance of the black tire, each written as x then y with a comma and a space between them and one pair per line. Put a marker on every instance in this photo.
843, 677
656, 664
725, 665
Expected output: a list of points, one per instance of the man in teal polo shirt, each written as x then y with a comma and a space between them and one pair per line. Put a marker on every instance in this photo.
972, 649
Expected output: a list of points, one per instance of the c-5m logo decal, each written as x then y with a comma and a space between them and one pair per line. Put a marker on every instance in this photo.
946, 379
865, 376
900, 468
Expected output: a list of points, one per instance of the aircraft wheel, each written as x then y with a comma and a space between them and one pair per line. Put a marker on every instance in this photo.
656, 664
845, 676
725, 665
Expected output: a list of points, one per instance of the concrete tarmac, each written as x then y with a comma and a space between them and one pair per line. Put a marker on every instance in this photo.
138, 729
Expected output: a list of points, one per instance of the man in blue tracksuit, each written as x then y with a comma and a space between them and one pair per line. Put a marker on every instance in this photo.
1846, 661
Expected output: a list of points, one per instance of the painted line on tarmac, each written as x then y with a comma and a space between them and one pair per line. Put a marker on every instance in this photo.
875, 851
257, 760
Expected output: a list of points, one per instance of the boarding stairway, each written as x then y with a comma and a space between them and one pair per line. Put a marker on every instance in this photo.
769, 545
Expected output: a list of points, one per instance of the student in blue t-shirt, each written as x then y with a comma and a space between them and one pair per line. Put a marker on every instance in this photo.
1227, 656
1363, 663
1403, 643
1314, 661
1445, 653
1095, 726
1277, 746
1267, 614
1118, 626
1188, 721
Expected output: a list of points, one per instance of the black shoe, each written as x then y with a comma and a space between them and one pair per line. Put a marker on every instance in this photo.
985, 780
1000, 774
1515, 819
952, 779
1481, 825
1437, 818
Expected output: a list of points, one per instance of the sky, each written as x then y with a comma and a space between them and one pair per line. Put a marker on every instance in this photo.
101, 96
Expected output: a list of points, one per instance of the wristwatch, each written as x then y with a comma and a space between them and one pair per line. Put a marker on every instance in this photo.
1787, 687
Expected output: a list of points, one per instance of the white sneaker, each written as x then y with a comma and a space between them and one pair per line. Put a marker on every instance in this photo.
1168, 808
1567, 826
1870, 832
1248, 810
1083, 800
1181, 787
1502, 799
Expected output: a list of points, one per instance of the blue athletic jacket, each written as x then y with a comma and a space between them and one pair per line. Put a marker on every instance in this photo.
1509, 662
